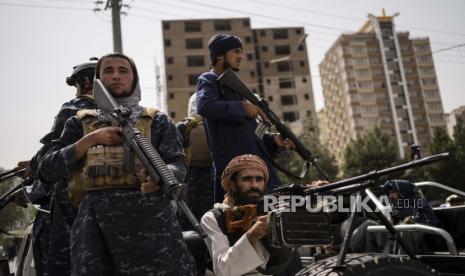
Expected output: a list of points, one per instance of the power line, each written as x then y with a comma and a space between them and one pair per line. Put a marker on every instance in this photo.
43, 6
217, 14
449, 48
157, 11
448, 61
354, 19
68, 1
266, 16
310, 11
432, 30
311, 31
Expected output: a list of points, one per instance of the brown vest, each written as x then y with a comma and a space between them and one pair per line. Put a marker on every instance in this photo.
197, 153
107, 167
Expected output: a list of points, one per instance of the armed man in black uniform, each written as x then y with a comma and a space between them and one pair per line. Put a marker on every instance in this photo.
50, 232
119, 230
62, 212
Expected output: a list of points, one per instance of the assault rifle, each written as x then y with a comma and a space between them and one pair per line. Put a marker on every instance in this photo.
134, 140
21, 171
231, 80
5, 176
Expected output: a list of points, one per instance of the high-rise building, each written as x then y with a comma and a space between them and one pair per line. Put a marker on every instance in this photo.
378, 77
275, 64
187, 56
283, 72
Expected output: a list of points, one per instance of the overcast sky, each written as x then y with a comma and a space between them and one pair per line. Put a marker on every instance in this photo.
42, 39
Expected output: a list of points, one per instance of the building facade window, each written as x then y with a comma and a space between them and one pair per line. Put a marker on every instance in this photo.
284, 66
193, 79
166, 25
192, 26
286, 83
167, 42
288, 100
249, 56
282, 49
195, 61
194, 43
222, 25
169, 60
280, 34
290, 116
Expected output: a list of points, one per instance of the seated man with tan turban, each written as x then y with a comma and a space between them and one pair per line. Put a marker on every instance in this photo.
244, 181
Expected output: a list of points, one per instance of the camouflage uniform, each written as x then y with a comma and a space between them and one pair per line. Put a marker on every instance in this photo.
123, 231
62, 212
50, 238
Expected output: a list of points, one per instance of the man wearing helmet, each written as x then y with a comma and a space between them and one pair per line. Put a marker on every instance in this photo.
51, 232
119, 230
62, 211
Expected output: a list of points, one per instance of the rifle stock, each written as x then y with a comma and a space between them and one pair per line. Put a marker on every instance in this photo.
150, 158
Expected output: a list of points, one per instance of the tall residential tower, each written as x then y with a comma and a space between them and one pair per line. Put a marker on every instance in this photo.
379, 77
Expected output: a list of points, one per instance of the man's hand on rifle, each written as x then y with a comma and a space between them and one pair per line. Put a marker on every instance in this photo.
107, 136
252, 111
258, 230
148, 184
317, 183
283, 143
25, 165
102, 136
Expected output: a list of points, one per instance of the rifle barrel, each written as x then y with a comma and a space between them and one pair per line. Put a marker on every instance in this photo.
11, 174
376, 174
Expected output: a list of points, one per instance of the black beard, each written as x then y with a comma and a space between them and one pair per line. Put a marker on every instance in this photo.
125, 94
227, 65
243, 198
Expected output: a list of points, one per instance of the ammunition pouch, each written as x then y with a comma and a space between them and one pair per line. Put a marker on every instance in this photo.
107, 167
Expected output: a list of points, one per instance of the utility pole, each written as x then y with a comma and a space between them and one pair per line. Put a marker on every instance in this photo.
116, 6
116, 22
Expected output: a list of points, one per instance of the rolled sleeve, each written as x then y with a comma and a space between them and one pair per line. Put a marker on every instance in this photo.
241, 258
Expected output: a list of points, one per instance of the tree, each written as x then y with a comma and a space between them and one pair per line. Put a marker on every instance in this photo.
12, 216
373, 151
294, 163
450, 172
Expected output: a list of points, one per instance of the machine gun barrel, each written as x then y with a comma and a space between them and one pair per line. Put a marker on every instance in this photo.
376, 174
